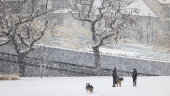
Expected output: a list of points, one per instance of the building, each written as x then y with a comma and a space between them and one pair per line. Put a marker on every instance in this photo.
145, 31
162, 9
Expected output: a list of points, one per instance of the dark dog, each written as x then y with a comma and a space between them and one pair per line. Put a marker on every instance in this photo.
119, 80
89, 88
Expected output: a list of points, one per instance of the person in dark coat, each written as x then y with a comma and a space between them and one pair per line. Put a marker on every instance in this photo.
115, 77
134, 77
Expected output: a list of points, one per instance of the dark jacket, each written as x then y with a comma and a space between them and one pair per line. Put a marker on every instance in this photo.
114, 74
134, 75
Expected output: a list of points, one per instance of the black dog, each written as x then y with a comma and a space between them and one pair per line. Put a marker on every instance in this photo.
89, 88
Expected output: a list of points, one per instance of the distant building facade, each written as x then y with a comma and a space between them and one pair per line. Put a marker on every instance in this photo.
145, 32
162, 9
148, 22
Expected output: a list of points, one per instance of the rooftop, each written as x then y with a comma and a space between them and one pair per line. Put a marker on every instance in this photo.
164, 1
144, 9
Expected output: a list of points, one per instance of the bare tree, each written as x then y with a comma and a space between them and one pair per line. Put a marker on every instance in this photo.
91, 11
19, 29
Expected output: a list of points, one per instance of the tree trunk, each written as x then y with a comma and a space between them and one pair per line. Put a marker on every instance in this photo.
97, 60
96, 50
93, 30
21, 65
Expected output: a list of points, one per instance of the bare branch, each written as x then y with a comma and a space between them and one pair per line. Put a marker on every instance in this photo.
30, 19
15, 45
35, 40
28, 30
46, 5
84, 19
22, 40
90, 8
4, 43
99, 16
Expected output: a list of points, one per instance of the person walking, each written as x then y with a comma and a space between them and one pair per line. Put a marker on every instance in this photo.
115, 77
134, 77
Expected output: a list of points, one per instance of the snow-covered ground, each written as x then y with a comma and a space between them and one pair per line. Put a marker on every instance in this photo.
135, 51
117, 52
75, 86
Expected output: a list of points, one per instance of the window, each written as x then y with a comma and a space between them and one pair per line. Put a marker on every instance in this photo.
166, 12
168, 25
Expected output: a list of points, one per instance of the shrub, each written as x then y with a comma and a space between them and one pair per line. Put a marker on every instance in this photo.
9, 77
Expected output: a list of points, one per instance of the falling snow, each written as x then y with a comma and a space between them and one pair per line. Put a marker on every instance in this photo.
57, 46
75, 86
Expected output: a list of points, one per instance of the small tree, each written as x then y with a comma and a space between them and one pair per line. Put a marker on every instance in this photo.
115, 11
19, 29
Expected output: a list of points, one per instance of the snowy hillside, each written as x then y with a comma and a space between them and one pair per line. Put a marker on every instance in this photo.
134, 51
75, 86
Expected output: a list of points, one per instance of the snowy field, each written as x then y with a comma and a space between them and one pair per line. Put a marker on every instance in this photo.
75, 86
117, 52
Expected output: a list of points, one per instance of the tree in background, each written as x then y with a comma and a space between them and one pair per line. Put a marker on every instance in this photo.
114, 13
18, 27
